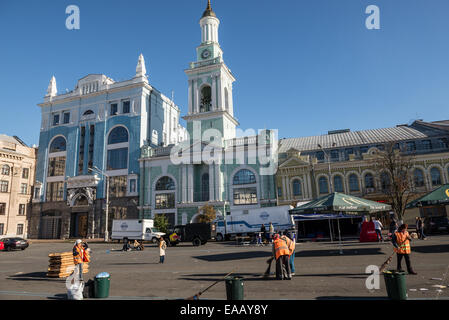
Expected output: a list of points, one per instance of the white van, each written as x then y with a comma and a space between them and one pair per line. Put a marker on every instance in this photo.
248, 222
135, 230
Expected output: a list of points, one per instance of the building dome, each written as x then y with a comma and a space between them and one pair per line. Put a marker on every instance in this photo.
209, 12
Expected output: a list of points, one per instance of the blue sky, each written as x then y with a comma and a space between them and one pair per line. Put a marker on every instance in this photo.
302, 66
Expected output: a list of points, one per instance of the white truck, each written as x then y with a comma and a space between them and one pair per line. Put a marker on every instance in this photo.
135, 230
248, 222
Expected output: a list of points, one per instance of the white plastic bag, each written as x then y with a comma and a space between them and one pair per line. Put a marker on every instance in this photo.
74, 286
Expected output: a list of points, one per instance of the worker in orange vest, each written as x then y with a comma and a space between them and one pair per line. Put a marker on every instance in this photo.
291, 244
401, 242
281, 253
80, 255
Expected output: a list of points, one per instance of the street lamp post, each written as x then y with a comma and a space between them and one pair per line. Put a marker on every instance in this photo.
106, 231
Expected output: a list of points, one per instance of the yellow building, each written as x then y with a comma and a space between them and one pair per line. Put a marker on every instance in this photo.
342, 161
17, 169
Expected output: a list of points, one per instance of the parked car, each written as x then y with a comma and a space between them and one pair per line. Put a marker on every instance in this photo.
14, 243
436, 225
2, 246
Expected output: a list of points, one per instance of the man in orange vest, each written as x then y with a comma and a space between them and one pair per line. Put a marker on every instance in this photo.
80, 255
291, 244
401, 242
281, 253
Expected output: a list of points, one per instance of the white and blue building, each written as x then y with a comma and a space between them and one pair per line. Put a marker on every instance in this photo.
94, 131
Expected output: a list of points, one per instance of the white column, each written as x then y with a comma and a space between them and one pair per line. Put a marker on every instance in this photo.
211, 183
220, 94
284, 188
218, 183
190, 182
190, 97
214, 93
196, 104
310, 186
184, 185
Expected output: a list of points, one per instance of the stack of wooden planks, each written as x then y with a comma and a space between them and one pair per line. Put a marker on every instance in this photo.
61, 265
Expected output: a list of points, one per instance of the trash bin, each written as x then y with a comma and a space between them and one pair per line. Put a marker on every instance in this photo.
102, 284
234, 288
395, 283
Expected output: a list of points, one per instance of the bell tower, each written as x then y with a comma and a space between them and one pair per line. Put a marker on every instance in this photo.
210, 83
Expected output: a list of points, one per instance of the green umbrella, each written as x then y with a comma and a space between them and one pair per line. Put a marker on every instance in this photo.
439, 196
340, 202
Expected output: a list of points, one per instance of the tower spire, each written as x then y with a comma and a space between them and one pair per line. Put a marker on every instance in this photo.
209, 12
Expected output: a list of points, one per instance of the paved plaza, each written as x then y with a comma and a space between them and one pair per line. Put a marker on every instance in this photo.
321, 271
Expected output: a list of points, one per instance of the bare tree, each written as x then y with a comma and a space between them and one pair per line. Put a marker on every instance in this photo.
394, 169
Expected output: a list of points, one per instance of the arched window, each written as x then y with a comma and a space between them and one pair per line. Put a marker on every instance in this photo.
165, 183
206, 99
338, 184
353, 183
436, 176
369, 181
118, 135
117, 155
385, 181
296, 188
58, 145
5, 170
205, 187
165, 193
88, 112
244, 176
323, 185
418, 178
248, 194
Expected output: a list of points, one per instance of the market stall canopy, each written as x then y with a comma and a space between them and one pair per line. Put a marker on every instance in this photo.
439, 196
340, 202
326, 216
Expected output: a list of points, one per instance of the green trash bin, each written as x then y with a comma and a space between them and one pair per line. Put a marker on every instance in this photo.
102, 284
234, 288
396, 286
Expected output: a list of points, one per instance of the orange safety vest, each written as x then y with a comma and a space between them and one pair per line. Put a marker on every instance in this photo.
280, 248
403, 243
81, 257
290, 244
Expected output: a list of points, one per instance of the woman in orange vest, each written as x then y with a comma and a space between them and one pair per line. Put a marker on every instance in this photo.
401, 242
281, 253
80, 255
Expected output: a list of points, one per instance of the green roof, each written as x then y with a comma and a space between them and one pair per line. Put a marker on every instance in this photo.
439, 196
340, 202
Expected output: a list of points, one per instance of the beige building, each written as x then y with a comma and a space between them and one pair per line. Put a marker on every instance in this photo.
17, 169
342, 161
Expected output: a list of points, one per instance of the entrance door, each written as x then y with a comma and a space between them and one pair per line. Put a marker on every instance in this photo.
78, 228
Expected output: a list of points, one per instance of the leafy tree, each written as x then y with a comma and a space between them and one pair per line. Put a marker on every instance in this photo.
161, 223
207, 214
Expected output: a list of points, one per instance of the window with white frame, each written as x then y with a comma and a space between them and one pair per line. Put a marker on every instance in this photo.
21, 209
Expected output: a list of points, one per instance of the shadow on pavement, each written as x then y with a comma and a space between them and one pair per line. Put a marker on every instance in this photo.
336, 252
351, 298
34, 276
235, 256
131, 263
346, 275
58, 297
442, 248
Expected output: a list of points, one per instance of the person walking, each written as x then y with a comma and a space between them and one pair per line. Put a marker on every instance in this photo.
291, 244
271, 229
393, 227
420, 228
378, 226
80, 255
162, 248
401, 242
263, 231
281, 254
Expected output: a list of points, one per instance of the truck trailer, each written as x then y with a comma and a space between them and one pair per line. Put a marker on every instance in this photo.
248, 222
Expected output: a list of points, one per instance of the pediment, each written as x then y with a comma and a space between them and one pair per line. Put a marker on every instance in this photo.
293, 162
